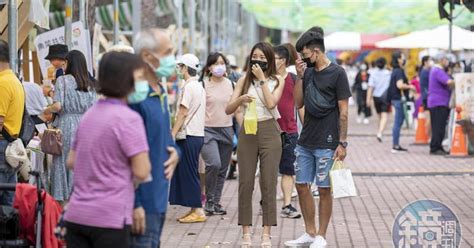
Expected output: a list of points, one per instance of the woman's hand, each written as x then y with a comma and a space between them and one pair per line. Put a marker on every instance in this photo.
246, 98
258, 73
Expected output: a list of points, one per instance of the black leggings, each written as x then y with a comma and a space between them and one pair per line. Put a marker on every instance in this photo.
80, 236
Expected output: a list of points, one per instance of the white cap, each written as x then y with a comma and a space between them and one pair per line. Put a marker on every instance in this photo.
189, 60
232, 60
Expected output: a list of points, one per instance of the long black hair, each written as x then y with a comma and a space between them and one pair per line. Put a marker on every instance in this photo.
77, 67
212, 59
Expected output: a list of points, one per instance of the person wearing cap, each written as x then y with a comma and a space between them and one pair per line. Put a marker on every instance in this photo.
12, 100
188, 131
439, 93
57, 57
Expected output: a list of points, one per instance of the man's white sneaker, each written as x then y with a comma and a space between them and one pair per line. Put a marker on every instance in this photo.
303, 240
319, 242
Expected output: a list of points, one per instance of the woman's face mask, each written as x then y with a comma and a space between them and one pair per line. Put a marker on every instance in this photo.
218, 70
140, 93
263, 64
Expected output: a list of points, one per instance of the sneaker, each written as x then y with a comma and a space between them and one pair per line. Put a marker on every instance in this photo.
219, 210
290, 212
303, 240
319, 242
315, 193
397, 149
359, 120
366, 121
379, 138
209, 208
440, 152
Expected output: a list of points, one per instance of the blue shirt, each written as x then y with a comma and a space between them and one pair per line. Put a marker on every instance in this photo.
424, 82
153, 196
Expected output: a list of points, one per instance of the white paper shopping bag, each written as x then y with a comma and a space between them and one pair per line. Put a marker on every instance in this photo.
342, 183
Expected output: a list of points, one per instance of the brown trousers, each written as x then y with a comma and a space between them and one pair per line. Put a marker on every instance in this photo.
266, 146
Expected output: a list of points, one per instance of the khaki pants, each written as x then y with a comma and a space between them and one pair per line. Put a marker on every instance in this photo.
266, 146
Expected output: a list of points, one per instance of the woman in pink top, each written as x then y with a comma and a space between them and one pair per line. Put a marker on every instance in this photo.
218, 137
109, 153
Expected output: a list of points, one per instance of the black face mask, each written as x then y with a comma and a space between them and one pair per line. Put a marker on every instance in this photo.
308, 62
263, 65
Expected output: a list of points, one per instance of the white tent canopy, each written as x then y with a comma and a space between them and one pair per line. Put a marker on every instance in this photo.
343, 41
432, 38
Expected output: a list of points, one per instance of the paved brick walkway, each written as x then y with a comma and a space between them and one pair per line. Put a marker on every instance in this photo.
363, 221
386, 183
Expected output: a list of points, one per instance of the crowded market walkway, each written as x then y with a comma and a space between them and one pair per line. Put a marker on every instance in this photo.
386, 183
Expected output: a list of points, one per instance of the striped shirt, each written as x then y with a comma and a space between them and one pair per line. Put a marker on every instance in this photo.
108, 135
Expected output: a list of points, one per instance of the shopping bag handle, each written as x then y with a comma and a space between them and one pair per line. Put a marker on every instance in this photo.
338, 164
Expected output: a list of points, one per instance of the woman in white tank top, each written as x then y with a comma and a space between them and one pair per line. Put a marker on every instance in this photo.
262, 85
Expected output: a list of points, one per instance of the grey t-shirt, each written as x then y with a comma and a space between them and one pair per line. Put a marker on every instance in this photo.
35, 100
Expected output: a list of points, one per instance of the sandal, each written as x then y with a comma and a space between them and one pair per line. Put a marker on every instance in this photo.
184, 216
193, 218
245, 240
268, 243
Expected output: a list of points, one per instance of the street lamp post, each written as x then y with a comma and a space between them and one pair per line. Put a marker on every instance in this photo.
12, 34
68, 25
116, 22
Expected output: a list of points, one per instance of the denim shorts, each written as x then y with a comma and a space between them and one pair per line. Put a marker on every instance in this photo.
313, 164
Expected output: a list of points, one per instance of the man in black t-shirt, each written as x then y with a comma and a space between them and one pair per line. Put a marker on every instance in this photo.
323, 89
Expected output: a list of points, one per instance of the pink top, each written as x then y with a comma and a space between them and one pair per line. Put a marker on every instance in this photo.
218, 94
108, 135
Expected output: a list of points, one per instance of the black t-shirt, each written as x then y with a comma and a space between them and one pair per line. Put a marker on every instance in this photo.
394, 93
323, 133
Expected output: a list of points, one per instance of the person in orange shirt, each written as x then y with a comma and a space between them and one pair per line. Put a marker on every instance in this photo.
12, 102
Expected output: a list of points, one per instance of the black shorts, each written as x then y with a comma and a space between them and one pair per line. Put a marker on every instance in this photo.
381, 106
288, 157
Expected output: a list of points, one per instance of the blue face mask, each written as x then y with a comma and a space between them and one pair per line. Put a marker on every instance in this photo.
141, 92
167, 66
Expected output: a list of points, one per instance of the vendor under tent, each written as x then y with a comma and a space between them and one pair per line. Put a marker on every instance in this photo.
352, 41
432, 38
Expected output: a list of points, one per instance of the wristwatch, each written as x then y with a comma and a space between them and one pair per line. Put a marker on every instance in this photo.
262, 82
343, 144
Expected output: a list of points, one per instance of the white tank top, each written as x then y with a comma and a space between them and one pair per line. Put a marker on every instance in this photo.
263, 113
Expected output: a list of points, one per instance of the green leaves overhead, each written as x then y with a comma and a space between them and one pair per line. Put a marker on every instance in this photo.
365, 16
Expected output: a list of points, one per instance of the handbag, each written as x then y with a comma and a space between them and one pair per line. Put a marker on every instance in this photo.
342, 183
52, 142
181, 135
315, 102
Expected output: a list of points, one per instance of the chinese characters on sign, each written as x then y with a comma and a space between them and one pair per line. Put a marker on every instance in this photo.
426, 223
80, 41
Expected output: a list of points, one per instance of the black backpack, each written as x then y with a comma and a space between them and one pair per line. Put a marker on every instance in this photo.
27, 130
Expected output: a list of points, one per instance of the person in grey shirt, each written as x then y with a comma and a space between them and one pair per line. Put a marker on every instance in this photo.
379, 81
35, 101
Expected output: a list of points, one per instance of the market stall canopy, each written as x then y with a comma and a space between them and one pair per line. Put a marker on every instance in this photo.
364, 16
339, 41
432, 38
